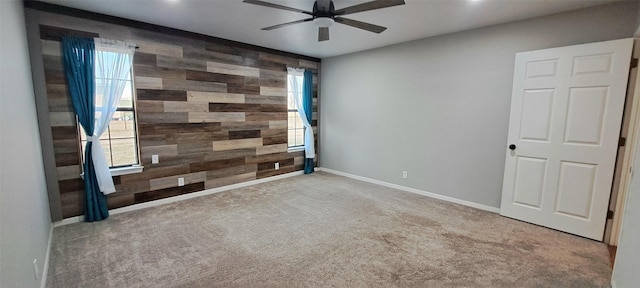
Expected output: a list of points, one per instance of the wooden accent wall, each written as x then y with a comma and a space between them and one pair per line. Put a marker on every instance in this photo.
215, 114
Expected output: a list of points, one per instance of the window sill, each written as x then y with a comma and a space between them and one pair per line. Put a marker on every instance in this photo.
295, 149
126, 170
122, 170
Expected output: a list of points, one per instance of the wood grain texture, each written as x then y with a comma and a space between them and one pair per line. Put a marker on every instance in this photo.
215, 113
236, 144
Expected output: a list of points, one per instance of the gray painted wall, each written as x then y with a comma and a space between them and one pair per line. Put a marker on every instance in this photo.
439, 107
25, 221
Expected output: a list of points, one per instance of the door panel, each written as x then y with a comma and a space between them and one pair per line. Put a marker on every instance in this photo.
566, 111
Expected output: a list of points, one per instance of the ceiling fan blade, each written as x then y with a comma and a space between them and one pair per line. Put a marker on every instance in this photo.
359, 24
287, 24
369, 6
267, 4
323, 34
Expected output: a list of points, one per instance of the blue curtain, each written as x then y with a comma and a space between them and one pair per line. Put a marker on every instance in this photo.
307, 103
78, 57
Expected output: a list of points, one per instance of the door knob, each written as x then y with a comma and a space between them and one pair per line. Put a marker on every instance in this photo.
512, 147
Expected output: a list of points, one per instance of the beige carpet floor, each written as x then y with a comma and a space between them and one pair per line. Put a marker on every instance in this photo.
320, 230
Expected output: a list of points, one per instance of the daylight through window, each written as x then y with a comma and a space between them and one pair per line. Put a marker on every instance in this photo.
119, 141
296, 128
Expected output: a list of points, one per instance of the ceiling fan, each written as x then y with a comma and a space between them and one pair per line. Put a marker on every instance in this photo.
324, 14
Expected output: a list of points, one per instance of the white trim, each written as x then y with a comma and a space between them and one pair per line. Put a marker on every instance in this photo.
45, 267
126, 170
415, 191
295, 149
158, 202
613, 282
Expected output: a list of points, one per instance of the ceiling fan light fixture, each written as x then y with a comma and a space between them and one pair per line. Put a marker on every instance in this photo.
323, 21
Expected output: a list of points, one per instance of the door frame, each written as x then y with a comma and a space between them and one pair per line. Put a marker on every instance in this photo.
633, 132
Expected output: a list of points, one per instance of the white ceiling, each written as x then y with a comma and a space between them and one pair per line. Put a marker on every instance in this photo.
235, 20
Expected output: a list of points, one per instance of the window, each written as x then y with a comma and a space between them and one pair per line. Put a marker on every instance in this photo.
296, 128
119, 141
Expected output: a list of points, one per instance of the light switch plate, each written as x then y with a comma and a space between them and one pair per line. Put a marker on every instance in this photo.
154, 159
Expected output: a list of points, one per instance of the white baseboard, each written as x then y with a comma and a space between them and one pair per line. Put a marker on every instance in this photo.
45, 267
415, 191
183, 197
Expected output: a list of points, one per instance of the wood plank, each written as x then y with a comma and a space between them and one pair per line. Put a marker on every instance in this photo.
65, 133
214, 77
169, 192
57, 91
170, 106
145, 106
263, 99
270, 173
288, 61
191, 85
302, 63
233, 107
161, 95
267, 158
172, 181
63, 146
227, 154
273, 91
62, 119
159, 72
148, 82
230, 180
244, 134
216, 164
198, 53
51, 48
270, 149
68, 172
231, 69
66, 159
195, 147
201, 128
266, 116
71, 185
159, 48
230, 171
52, 76
179, 117
243, 89
247, 125
276, 83
216, 116
60, 105
278, 124
215, 97
270, 165
117, 200
236, 144
181, 63
144, 59
161, 150
132, 186
273, 108
275, 140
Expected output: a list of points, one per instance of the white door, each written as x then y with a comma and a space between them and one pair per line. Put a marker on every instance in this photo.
566, 111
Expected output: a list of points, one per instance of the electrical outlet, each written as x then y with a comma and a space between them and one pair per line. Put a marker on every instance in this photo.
35, 268
154, 159
405, 175
181, 181
277, 165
